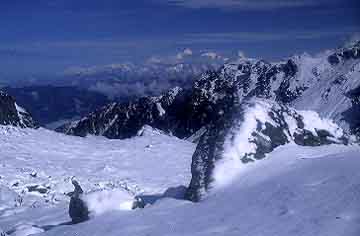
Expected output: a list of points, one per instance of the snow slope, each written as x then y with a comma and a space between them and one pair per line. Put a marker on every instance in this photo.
298, 191
36, 167
327, 95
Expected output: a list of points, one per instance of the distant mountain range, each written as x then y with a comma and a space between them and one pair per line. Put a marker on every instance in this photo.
78, 91
128, 81
327, 83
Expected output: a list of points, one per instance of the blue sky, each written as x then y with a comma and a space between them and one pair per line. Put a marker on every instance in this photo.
47, 36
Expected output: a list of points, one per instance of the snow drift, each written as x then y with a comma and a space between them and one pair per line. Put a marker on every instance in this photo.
100, 202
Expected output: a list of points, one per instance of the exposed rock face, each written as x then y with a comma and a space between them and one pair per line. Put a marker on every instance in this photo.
255, 128
352, 115
183, 112
12, 114
124, 120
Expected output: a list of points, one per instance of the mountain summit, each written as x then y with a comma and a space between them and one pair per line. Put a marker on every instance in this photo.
12, 114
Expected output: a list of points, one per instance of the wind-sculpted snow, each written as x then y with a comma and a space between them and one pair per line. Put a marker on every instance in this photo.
12, 114
255, 129
36, 167
100, 202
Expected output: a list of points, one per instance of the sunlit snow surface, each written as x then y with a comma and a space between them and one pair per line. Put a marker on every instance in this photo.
294, 191
123, 168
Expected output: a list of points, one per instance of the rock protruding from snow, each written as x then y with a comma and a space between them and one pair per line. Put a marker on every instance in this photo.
78, 209
256, 128
2, 233
13, 114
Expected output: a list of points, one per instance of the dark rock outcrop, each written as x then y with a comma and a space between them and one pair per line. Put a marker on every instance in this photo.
346, 53
12, 114
3, 233
37, 188
352, 115
124, 120
78, 210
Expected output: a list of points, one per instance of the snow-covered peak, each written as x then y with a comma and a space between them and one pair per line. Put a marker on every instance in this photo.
12, 114
215, 92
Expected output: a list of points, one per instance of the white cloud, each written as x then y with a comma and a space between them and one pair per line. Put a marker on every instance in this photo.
154, 60
185, 53
188, 52
354, 38
241, 54
212, 55
241, 37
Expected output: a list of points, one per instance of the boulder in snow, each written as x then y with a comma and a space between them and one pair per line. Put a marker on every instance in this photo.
78, 210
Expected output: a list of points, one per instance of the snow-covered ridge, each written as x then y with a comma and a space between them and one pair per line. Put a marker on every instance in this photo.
329, 94
263, 121
254, 130
304, 81
296, 81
